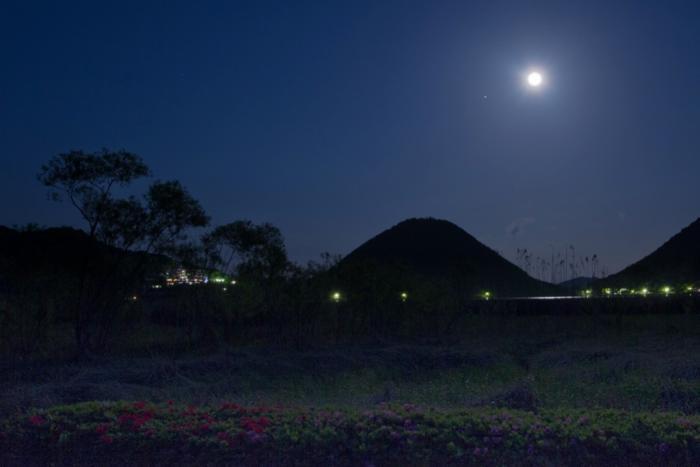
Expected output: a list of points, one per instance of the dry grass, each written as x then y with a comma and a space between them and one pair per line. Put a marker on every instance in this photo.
653, 365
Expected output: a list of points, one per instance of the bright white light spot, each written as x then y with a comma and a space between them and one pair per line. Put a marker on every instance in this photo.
534, 79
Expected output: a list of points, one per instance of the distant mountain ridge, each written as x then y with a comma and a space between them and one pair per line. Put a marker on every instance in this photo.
54, 250
56, 246
676, 262
438, 249
577, 283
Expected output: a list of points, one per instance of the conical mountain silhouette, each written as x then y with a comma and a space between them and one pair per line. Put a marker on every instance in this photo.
439, 250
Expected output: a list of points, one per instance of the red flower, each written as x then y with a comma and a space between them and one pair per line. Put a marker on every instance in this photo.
102, 428
106, 439
264, 422
256, 426
139, 405
135, 421
37, 420
230, 406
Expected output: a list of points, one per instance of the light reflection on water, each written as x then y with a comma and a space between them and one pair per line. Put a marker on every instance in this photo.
576, 297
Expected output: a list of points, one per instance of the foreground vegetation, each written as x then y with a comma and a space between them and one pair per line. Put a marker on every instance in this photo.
581, 390
138, 432
527, 363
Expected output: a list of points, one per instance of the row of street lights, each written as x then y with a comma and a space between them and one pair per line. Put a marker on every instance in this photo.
666, 290
337, 297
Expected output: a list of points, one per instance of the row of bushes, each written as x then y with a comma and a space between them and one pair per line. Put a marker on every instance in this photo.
127, 433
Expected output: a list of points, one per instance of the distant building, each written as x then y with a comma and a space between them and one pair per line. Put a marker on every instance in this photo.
183, 276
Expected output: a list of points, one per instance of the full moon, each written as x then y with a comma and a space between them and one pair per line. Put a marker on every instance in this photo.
534, 79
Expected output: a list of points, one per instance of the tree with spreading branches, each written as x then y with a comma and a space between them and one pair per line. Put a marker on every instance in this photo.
123, 232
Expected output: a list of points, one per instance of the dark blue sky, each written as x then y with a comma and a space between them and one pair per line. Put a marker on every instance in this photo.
335, 120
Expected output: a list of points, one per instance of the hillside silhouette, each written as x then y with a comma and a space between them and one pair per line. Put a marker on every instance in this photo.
439, 251
577, 283
55, 251
58, 248
676, 262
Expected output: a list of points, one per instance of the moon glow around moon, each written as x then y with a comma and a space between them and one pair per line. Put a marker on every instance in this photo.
534, 79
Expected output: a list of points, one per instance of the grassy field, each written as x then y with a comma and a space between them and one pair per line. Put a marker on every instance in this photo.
641, 364
569, 390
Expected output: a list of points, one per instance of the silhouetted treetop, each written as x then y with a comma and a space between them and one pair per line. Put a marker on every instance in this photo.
249, 248
87, 179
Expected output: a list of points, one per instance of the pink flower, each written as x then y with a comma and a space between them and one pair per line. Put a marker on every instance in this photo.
37, 420
230, 406
106, 439
481, 451
102, 428
135, 421
255, 425
264, 422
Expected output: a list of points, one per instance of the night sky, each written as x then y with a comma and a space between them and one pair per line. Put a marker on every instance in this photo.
336, 120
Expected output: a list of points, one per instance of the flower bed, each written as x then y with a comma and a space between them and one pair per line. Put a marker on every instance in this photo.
124, 433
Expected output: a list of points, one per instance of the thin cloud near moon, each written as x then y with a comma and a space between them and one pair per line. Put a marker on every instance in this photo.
518, 226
